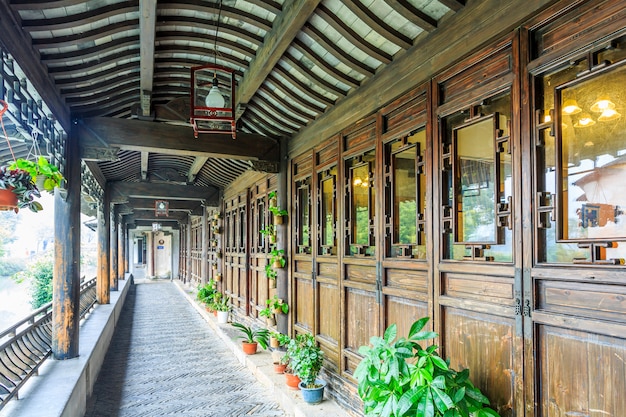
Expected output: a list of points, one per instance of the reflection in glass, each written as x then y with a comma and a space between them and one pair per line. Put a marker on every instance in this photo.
304, 220
360, 205
592, 164
475, 164
327, 210
404, 197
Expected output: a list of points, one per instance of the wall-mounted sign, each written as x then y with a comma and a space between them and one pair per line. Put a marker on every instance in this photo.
161, 208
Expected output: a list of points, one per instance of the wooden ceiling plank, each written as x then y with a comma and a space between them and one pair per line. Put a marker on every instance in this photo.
174, 205
197, 165
147, 29
114, 10
285, 28
300, 84
413, 14
322, 83
379, 26
287, 103
139, 135
312, 32
324, 65
455, 5
18, 44
348, 33
263, 102
301, 99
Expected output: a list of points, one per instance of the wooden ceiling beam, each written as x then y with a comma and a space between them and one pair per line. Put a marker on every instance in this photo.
18, 44
147, 30
413, 14
284, 30
174, 205
197, 165
121, 191
100, 133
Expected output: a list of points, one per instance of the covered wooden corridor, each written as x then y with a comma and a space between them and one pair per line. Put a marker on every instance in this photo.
455, 159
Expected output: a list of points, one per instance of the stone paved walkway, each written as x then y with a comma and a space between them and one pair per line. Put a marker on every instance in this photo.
165, 360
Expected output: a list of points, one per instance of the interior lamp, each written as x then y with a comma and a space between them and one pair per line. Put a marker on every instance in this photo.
571, 107
585, 121
215, 99
602, 104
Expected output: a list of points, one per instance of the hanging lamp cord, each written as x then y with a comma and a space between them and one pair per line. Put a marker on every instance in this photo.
5, 107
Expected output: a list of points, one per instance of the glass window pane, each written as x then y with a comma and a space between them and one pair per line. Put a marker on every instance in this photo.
475, 163
304, 220
328, 212
360, 205
593, 157
404, 197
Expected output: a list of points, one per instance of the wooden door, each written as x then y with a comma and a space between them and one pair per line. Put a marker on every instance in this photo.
477, 243
575, 279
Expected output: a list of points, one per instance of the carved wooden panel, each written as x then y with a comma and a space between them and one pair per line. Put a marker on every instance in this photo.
407, 279
581, 25
360, 136
361, 320
304, 307
327, 153
360, 273
403, 312
582, 373
406, 113
485, 344
478, 287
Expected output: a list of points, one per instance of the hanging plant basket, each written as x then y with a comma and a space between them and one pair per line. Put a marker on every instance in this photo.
278, 219
8, 200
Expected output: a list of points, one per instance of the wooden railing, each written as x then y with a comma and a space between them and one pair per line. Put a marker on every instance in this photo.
28, 343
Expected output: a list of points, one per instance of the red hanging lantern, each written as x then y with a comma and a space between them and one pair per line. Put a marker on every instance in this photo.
212, 100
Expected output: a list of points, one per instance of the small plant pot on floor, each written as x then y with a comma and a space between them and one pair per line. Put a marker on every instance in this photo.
249, 348
222, 317
279, 368
292, 380
313, 395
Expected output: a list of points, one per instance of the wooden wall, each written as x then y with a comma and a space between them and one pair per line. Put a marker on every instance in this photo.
541, 337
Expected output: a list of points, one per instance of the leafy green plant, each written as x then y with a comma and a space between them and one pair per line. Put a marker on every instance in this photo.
266, 312
283, 339
276, 305
270, 272
39, 276
50, 173
305, 358
222, 304
276, 211
400, 378
260, 336
206, 293
277, 257
21, 184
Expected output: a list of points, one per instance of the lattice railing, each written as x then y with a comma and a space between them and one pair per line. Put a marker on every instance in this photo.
28, 343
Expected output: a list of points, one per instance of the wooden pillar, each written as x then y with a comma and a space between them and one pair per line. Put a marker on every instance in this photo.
66, 274
282, 279
127, 253
113, 242
188, 277
121, 247
102, 280
205, 247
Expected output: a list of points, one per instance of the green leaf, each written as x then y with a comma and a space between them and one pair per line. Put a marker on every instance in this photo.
487, 412
439, 363
409, 399
459, 395
475, 394
390, 333
441, 399
425, 406
417, 326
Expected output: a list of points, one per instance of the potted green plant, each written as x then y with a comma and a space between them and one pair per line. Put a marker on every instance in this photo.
45, 175
222, 307
278, 340
269, 315
252, 338
400, 378
277, 305
306, 359
22, 182
270, 232
277, 258
276, 211
206, 294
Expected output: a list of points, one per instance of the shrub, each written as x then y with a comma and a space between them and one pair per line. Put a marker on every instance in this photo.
39, 275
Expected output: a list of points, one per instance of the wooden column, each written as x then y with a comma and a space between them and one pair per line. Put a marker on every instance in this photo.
121, 247
188, 275
66, 276
205, 247
102, 281
128, 255
113, 242
282, 280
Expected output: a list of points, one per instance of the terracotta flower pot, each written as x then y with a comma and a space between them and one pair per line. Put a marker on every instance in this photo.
279, 368
292, 381
249, 348
8, 200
